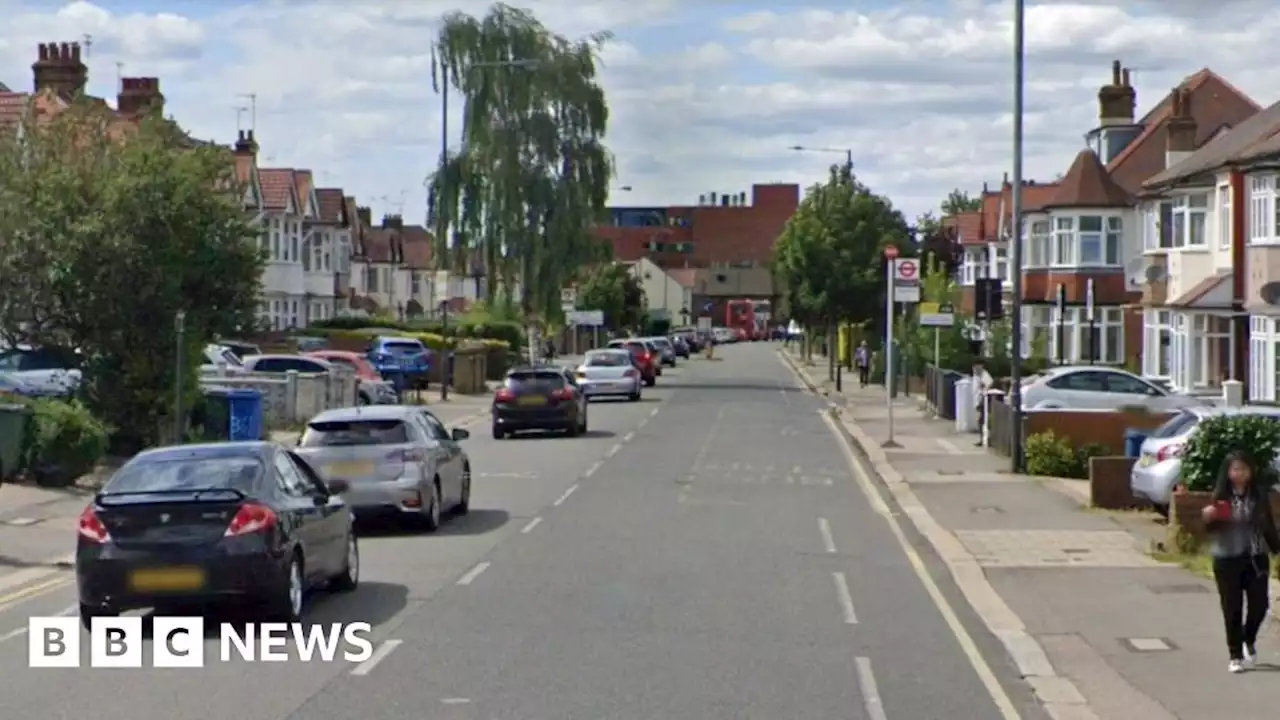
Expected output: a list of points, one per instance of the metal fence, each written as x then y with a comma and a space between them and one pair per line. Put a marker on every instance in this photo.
940, 391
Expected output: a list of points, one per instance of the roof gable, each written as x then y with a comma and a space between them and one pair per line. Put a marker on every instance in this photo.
1087, 185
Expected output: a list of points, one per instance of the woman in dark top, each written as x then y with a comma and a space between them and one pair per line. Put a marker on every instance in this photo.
1243, 538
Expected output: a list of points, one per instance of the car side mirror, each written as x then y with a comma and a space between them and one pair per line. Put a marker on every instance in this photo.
337, 486
460, 434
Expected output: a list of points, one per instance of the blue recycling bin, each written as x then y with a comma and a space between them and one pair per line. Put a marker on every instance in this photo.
245, 414
1133, 440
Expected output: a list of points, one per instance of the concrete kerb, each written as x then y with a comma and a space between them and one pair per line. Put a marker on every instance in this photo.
1058, 695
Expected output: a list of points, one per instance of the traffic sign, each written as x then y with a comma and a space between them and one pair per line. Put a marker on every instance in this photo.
592, 318
891, 251
906, 280
937, 315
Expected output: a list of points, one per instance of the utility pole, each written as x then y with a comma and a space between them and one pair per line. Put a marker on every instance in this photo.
1015, 238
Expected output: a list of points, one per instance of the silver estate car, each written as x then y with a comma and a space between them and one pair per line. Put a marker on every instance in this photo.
398, 459
609, 373
1094, 387
1159, 464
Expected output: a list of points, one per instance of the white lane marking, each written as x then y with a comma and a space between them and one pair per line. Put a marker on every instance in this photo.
828, 541
613, 450
532, 524
473, 573
949, 446
592, 470
379, 654
455, 701
846, 600
560, 500
19, 632
653, 412
870, 691
629, 437
643, 423
1007, 709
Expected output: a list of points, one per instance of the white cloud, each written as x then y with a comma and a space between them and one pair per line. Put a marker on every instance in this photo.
702, 97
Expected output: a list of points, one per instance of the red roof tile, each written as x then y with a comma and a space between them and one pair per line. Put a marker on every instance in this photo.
332, 205
1088, 185
302, 183
277, 187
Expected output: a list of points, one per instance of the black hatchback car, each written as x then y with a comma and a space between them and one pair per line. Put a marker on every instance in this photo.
541, 397
244, 523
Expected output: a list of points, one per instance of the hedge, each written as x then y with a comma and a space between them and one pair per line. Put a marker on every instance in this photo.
508, 332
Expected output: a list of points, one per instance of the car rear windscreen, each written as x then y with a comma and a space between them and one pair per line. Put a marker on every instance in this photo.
403, 346
199, 473
608, 360
355, 432
545, 379
1175, 426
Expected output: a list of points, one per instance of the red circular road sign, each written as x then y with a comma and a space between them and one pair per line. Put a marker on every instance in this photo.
907, 269
891, 252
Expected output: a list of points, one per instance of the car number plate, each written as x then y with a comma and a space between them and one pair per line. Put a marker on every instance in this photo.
167, 580
532, 400
350, 469
1147, 461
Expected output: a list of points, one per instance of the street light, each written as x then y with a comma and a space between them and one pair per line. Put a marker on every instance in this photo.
848, 153
1015, 238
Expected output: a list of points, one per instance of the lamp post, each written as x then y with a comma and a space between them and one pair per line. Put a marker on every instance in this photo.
1015, 254
848, 153
179, 331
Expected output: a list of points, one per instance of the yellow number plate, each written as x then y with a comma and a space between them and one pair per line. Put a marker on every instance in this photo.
353, 469
533, 400
1146, 461
167, 580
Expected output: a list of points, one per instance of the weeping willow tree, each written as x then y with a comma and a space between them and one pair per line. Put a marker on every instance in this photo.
531, 178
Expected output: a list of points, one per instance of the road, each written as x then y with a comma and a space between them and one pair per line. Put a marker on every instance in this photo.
703, 554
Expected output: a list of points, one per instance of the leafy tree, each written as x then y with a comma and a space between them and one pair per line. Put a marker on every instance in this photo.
613, 289
830, 255
108, 229
941, 243
532, 176
959, 201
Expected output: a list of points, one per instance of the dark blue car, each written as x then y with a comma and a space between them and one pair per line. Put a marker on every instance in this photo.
401, 359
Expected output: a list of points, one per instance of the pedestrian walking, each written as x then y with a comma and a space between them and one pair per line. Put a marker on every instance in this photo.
982, 382
862, 361
1243, 538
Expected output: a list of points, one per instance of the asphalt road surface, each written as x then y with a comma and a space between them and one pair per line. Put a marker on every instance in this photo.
704, 554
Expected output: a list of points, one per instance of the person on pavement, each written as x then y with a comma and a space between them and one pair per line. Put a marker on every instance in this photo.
982, 382
862, 361
1243, 539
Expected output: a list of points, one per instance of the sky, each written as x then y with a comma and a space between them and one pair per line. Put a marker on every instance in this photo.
704, 96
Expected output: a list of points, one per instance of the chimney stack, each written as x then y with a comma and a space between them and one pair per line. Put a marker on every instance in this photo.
58, 68
1181, 129
245, 144
1118, 101
365, 215
140, 96
392, 222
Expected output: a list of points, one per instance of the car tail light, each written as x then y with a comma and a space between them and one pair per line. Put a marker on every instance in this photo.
251, 518
411, 455
631, 372
92, 528
561, 394
505, 395
581, 374
1168, 452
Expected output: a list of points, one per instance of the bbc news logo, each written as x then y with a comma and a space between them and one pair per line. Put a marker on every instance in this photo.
179, 642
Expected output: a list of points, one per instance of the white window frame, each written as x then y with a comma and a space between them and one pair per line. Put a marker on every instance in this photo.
1037, 238
1070, 239
1190, 211
1224, 217
1157, 343
968, 268
1064, 242
1263, 210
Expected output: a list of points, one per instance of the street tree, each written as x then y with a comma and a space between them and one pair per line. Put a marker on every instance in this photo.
108, 229
613, 289
959, 201
531, 178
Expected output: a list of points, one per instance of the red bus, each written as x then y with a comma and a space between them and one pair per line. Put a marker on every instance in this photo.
749, 317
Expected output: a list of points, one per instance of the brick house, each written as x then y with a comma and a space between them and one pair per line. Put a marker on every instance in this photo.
984, 235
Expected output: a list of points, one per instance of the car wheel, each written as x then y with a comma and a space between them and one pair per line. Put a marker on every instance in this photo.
498, 433
89, 612
635, 397
431, 518
464, 505
349, 578
1162, 509
286, 606
582, 428
650, 382
575, 428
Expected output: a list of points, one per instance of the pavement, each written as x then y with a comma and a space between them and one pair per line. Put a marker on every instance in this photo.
711, 552
1095, 625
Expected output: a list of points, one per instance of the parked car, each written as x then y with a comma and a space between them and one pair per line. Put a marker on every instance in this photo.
240, 348
12, 384
371, 388
244, 523
221, 359
666, 350
285, 363
1093, 387
643, 357
539, 397
680, 345
398, 460
45, 373
1158, 468
401, 358
609, 373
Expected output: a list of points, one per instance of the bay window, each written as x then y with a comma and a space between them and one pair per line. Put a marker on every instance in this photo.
1064, 241
968, 267
1224, 217
1039, 244
1150, 221
1263, 343
1087, 240
1189, 221
1107, 342
1036, 335
1263, 209
1157, 339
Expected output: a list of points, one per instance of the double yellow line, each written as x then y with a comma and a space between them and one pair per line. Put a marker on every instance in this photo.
35, 589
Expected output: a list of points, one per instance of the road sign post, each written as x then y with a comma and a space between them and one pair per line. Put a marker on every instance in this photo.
891, 273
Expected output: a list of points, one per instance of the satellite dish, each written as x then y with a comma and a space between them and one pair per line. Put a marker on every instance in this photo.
1270, 293
1156, 273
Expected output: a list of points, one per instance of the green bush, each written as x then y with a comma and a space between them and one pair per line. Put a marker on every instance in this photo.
1050, 455
464, 326
1256, 436
66, 442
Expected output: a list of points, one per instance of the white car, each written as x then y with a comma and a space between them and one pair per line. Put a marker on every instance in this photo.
1097, 387
609, 373
39, 372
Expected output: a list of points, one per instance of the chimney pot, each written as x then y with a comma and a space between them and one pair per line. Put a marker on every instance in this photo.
1124, 77
44, 51
75, 52
249, 134
242, 137
64, 52
1115, 72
